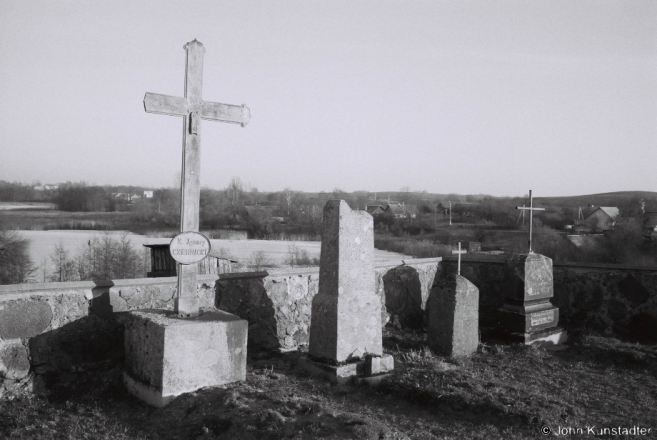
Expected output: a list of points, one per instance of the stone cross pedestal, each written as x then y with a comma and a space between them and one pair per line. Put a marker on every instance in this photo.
453, 327
170, 353
345, 322
527, 315
166, 356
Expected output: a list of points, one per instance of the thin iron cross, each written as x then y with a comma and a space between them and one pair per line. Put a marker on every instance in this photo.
458, 264
531, 210
192, 108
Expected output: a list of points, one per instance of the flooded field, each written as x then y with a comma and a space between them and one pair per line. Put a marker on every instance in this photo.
42, 245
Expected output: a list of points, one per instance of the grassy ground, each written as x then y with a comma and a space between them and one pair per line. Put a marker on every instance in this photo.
509, 392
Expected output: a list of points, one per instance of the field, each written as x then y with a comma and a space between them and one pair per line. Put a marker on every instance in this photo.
502, 392
12, 206
42, 245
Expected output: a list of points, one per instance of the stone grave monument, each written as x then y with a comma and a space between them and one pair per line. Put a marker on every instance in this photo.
345, 321
453, 324
528, 316
170, 353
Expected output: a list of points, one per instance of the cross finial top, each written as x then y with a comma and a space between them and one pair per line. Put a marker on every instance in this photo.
194, 42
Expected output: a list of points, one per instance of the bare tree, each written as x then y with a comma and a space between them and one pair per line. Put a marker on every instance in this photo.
287, 193
64, 265
15, 264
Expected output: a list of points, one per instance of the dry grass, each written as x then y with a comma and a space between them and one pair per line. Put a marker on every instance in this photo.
501, 392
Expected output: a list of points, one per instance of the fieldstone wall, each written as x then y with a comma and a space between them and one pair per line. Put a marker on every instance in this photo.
277, 303
52, 334
600, 298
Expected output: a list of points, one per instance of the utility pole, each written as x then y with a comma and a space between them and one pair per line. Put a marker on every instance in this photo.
450, 212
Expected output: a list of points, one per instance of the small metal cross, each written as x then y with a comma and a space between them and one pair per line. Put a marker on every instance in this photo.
458, 264
531, 210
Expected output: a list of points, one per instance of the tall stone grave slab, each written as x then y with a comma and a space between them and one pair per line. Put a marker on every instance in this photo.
453, 324
528, 316
345, 323
173, 352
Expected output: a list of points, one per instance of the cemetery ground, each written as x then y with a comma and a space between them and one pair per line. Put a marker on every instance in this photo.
503, 391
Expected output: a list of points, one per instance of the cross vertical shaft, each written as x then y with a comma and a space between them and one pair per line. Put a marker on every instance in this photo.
192, 108
531, 210
531, 219
186, 302
458, 264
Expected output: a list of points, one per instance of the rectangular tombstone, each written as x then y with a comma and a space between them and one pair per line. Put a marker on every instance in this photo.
345, 322
453, 327
528, 277
166, 356
527, 315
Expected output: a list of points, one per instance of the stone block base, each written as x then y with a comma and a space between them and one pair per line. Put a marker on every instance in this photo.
166, 356
370, 369
553, 336
515, 319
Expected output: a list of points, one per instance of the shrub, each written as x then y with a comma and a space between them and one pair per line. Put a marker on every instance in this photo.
15, 264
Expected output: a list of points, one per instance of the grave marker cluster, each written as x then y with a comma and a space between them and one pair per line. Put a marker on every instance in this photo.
169, 353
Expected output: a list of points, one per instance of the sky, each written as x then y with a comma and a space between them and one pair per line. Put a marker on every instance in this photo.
463, 97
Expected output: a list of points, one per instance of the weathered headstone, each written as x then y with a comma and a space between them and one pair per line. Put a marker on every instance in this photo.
345, 323
453, 324
527, 315
170, 353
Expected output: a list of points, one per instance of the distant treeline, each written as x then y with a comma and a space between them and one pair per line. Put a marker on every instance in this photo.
271, 214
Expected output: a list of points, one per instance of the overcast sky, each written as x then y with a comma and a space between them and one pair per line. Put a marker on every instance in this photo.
493, 97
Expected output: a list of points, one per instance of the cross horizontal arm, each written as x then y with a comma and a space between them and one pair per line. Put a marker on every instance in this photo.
526, 208
460, 252
165, 104
215, 111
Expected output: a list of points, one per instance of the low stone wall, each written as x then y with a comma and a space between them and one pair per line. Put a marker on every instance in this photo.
604, 299
51, 334
277, 303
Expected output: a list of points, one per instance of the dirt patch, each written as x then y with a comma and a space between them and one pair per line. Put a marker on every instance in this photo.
504, 391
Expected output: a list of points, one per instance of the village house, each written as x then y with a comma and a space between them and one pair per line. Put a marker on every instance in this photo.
46, 187
603, 218
397, 209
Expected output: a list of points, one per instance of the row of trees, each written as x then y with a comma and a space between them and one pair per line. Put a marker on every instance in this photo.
105, 257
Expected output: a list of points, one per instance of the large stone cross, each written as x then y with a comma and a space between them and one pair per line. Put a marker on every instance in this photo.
531, 210
192, 108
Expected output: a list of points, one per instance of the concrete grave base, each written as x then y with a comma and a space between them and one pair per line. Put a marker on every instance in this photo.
369, 370
166, 356
532, 319
552, 336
